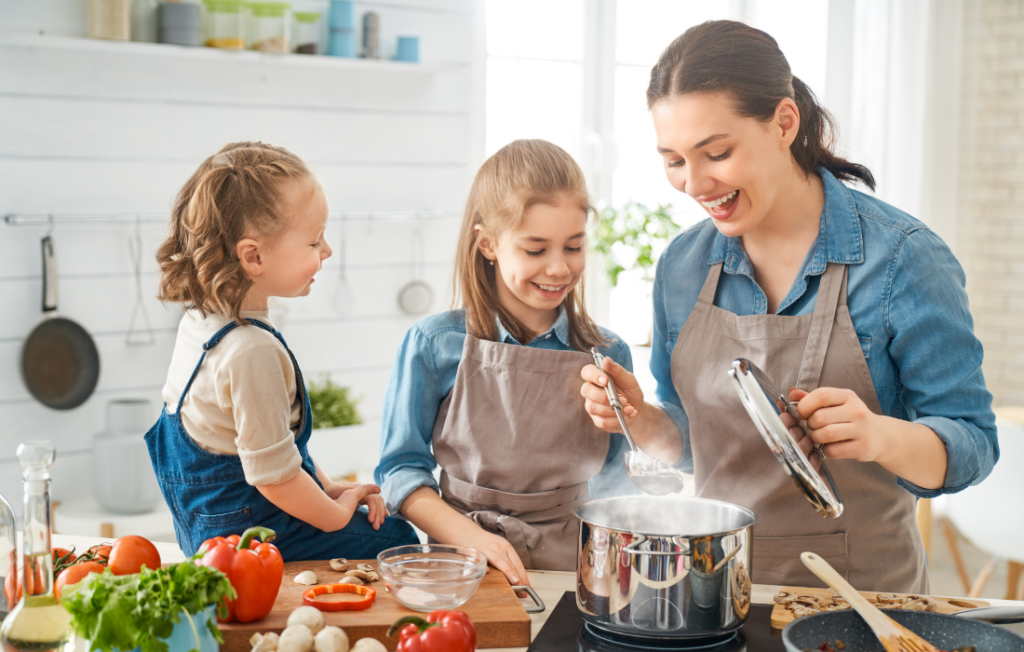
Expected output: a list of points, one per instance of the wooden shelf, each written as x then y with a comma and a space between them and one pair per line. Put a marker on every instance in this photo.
134, 49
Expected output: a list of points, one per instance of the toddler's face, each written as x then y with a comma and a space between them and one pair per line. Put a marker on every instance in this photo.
541, 261
296, 255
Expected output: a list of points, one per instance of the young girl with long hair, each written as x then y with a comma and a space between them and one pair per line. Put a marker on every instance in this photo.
489, 391
230, 447
857, 306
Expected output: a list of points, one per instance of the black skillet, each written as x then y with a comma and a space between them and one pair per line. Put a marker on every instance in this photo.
59, 361
941, 630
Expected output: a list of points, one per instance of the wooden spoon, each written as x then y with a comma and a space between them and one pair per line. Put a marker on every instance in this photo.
894, 636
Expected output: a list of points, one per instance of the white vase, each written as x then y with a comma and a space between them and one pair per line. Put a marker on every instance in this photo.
123, 478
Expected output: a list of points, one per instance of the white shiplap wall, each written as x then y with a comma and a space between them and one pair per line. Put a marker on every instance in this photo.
89, 127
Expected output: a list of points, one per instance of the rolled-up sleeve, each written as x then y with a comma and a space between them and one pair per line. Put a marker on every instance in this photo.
411, 405
939, 359
661, 368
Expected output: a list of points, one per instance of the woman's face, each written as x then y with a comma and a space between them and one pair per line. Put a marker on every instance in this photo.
735, 167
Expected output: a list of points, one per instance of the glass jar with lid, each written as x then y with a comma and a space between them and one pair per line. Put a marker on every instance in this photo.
267, 30
307, 32
224, 24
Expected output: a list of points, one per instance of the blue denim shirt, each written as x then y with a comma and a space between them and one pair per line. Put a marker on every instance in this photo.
907, 302
422, 377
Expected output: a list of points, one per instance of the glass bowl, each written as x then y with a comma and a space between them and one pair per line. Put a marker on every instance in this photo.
427, 577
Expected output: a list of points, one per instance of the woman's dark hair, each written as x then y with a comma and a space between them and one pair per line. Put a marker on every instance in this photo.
725, 56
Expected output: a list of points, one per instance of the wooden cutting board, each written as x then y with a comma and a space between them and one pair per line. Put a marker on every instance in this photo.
498, 615
782, 616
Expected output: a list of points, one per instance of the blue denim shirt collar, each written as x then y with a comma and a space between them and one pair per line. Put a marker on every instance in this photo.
839, 236
560, 329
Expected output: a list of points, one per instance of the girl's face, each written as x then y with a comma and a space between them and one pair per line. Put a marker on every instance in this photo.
285, 266
538, 263
735, 167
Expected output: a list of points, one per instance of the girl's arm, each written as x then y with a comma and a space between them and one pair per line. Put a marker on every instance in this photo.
443, 523
303, 499
374, 503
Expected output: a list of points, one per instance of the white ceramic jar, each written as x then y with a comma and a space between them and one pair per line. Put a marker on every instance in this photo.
123, 478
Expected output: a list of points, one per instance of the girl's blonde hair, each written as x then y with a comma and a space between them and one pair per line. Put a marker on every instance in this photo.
519, 175
234, 194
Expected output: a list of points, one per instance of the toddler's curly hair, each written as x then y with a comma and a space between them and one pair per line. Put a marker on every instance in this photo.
233, 195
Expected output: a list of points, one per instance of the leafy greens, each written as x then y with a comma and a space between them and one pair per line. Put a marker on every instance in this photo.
127, 611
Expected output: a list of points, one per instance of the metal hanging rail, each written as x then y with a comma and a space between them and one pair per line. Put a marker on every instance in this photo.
22, 219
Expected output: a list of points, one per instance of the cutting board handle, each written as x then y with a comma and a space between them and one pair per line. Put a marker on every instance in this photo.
538, 604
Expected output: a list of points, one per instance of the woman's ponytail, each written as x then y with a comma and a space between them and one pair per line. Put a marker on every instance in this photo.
725, 56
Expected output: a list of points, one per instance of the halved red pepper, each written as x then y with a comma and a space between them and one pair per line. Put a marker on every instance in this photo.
442, 631
254, 569
309, 597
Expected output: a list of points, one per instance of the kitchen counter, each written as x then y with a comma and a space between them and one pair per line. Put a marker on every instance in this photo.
550, 585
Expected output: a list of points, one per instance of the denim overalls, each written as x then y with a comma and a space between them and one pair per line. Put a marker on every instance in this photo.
209, 496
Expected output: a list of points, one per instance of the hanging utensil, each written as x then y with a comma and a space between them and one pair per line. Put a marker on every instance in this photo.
60, 364
760, 398
343, 291
147, 337
648, 474
415, 297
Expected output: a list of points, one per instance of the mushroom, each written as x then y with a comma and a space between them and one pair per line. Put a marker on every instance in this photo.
331, 639
808, 602
264, 642
368, 645
364, 567
295, 638
308, 616
921, 603
784, 597
339, 564
306, 577
887, 598
361, 574
351, 579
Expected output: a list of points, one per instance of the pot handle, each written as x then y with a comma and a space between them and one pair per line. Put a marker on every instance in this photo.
631, 548
538, 604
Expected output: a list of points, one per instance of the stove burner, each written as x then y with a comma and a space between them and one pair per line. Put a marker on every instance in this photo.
595, 639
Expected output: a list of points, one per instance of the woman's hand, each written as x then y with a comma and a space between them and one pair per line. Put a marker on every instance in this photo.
803, 441
840, 421
597, 405
500, 554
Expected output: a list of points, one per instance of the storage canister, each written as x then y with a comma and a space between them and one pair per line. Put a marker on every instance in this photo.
307, 30
110, 19
224, 25
179, 23
342, 24
268, 26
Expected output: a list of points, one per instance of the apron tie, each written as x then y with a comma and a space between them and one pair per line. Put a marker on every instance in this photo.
522, 536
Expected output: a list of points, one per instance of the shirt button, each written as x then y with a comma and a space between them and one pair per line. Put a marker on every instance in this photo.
548, 336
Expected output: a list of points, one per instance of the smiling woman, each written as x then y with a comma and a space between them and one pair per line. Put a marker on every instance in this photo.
827, 289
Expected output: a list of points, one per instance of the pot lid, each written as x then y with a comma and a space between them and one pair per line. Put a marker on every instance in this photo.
761, 400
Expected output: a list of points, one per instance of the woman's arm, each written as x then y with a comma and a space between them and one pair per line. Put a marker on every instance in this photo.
443, 523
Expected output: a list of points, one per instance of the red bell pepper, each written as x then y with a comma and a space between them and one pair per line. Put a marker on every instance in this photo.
254, 569
442, 631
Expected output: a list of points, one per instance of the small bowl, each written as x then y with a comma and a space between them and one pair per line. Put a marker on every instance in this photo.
432, 576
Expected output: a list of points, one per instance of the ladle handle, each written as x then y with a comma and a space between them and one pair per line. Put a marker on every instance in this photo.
613, 398
881, 624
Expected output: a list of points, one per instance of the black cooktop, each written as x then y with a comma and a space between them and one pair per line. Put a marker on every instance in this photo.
565, 631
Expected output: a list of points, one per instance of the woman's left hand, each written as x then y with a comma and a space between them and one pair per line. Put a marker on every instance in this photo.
841, 422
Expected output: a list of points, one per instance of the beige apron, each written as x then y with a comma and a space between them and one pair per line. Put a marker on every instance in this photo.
516, 447
875, 544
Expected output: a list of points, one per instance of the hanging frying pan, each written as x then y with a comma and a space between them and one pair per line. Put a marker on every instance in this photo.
59, 361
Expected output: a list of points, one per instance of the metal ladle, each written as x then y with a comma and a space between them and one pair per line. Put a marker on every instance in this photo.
648, 474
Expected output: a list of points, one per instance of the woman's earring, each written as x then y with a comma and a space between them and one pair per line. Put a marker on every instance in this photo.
491, 262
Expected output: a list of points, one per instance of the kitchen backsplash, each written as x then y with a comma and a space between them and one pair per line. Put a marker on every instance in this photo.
94, 128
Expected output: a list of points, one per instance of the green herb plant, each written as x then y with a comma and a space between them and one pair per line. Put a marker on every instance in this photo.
127, 611
332, 404
626, 237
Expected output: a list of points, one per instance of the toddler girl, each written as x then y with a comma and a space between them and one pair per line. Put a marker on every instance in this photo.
490, 392
230, 447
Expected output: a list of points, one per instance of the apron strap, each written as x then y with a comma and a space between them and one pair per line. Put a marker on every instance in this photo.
831, 286
521, 535
707, 292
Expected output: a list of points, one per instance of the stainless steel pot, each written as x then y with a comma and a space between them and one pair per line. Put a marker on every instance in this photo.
664, 567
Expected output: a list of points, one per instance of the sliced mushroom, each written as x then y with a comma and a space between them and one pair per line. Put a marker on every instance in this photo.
339, 564
361, 574
887, 598
808, 602
922, 603
306, 577
351, 579
784, 597
365, 567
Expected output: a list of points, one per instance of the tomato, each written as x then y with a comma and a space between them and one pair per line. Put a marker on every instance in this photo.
63, 556
101, 554
75, 574
130, 553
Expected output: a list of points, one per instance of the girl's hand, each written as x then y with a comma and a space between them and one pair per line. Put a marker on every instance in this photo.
363, 494
377, 511
499, 552
841, 422
597, 405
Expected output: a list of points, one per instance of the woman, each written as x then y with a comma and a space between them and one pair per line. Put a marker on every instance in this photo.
854, 302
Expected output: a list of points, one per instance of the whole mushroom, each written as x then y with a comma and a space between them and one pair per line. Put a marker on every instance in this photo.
331, 639
368, 645
295, 638
308, 616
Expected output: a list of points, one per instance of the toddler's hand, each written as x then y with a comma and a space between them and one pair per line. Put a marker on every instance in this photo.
375, 505
363, 494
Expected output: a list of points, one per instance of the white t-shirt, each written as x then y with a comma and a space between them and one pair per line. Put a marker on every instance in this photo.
243, 401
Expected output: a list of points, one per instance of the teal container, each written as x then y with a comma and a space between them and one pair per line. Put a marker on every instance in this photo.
183, 639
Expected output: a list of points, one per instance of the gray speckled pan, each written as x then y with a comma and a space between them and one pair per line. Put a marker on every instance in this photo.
942, 631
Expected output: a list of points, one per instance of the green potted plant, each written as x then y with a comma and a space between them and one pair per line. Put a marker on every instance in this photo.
631, 236
333, 406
